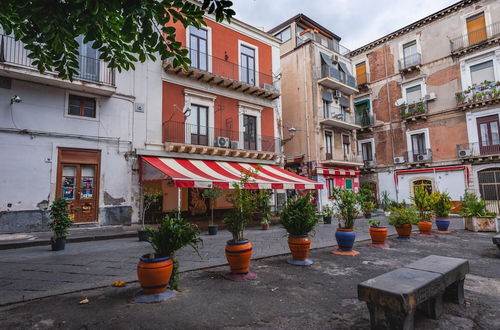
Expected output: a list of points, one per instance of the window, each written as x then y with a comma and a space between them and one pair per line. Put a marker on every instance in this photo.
366, 150
476, 28
198, 48
418, 145
489, 184
81, 106
410, 54
481, 72
250, 132
88, 61
284, 35
330, 183
327, 106
248, 65
489, 139
197, 125
328, 145
362, 113
413, 94
348, 184
346, 146
426, 184
361, 76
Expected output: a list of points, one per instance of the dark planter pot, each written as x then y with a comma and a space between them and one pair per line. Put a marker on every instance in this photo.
404, 231
212, 230
345, 239
327, 220
368, 215
442, 224
58, 244
143, 235
265, 226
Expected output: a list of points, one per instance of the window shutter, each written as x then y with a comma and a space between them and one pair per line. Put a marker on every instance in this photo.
361, 73
476, 28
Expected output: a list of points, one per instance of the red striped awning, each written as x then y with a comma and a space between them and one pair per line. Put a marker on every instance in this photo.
208, 173
332, 171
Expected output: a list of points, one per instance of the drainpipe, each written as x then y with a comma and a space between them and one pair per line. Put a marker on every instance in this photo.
390, 113
306, 110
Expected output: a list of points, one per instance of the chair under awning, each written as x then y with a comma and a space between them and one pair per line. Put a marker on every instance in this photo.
189, 173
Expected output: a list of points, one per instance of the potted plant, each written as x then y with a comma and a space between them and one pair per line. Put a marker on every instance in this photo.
385, 202
367, 207
477, 218
60, 223
347, 203
147, 198
212, 194
327, 213
378, 233
299, 218
402, 218
245, 203
441, 204
265, 209
157, 270
423, 203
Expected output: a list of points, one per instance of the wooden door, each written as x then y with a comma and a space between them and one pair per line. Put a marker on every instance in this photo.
476, 29
78, 182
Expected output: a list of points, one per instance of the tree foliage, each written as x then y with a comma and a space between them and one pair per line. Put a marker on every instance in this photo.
59, 215
299, 217
123, 31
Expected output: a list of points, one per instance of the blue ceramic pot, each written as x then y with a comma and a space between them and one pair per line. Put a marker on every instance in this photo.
345, 239
442, 224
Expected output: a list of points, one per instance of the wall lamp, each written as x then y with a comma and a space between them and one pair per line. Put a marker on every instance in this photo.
15, 99
292, 131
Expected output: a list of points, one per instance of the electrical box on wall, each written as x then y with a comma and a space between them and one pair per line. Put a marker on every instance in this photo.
139, 107
5, 83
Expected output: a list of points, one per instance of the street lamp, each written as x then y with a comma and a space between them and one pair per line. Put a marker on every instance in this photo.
292, 131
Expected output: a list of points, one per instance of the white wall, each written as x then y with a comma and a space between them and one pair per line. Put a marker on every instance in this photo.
451, 182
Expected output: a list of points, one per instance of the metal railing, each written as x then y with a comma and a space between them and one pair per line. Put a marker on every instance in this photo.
410, 61
326, 71
475, 37
181, 132
413, 109
227, 69
488, 90
418, 156
476, 149
352, 158
364, 119
328, 43
363, 79
343, 116
90, 69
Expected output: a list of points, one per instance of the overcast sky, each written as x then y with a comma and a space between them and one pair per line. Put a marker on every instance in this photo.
357, 22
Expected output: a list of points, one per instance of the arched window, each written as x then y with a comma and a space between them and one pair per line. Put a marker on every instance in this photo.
427, 184
489, 184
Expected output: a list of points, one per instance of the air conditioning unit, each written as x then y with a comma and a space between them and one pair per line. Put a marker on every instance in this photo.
430, 96
399, 160
400, 102
235, 145
335, 59
369, 163
269, 87
337, 94
464, 153
421, 158
222, 142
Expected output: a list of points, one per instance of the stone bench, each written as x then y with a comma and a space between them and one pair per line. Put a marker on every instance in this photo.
496, 240
393, 298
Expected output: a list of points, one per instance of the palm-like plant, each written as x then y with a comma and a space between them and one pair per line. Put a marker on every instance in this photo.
347, 205
423, 203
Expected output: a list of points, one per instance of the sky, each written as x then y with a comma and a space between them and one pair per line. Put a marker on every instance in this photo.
357, 22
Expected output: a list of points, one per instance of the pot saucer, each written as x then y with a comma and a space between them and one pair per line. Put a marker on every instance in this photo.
345, 253
240, 277
154, 297
381, 246
306, 262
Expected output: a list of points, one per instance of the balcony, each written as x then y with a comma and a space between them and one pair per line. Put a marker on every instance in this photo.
325, 42
364, 119
479, 151
222, 72
94, 76
369, 165
475, 39
339, 120
344, 159
413, 111
363, 80
188, 138
418, 156
479, 95
333, 78
410, 63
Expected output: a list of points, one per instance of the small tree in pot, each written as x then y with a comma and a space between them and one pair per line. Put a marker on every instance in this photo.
327, 213
477, 218
147, 198
367, 207
212, 194
423, 203
160, 268
60, 223
264, 198
299, 218
441, 204
403, 218
347, 205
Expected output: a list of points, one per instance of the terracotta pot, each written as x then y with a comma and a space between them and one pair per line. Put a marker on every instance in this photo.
238, 256
299, 246
265, 226
378, 234
404, 231
154, 273
425, 227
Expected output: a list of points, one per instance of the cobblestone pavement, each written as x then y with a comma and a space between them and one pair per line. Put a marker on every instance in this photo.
321, 296
36, 272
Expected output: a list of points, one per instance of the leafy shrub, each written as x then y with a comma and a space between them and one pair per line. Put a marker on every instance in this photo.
441, 204
347, 205
59, 214
367, 206
403, 215
472, 206
374, 223
423, 203
299, 216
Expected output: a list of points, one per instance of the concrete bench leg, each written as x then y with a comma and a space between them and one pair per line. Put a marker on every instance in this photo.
381, 318
433, 307
455, 292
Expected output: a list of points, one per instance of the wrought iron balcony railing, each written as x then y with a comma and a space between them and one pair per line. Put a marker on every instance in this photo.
349, 158
326, 71
413, 109
419, 156
185, 133
478, 149
410, 61
364, 119
90, 69
328, 43
487, 91
475, 37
